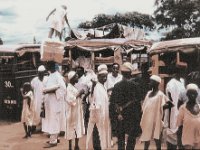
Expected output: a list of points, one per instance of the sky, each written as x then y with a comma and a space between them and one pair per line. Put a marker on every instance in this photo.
21, 20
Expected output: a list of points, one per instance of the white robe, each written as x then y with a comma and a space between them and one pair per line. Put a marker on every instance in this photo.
111, 80
63, 108
151, 121
38, 87
82, 84
101, 101
57, 19
53, 103
75, 122
175, 87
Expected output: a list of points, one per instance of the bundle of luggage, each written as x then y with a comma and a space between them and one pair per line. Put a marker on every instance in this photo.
52, 50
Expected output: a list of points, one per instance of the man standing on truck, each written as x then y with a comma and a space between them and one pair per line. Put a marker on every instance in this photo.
57, 21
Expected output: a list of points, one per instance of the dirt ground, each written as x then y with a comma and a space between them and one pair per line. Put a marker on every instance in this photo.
12, 133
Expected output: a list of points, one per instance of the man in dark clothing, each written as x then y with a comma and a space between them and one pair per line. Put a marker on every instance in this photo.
125, 109
143, 80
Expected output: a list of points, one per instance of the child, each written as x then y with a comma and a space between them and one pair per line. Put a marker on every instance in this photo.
59, 17
27, 110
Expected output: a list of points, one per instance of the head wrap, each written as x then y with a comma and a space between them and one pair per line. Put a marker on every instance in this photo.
27, 85
71, 74
192, 86
156, 78
102, 69
127, 67
41, 68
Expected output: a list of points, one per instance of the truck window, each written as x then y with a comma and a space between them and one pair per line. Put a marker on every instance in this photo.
27, 62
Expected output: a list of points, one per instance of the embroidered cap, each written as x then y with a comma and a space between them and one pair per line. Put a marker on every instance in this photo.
102, 69
156, 78
192, 86
41, 68
71, 74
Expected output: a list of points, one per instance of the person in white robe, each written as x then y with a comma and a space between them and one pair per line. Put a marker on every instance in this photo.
75, 122
173, 90
189, 119
84, 83
37, 85
113, 78
82, 80
54, 94
63, 109
151, 122
58, 17
99, 114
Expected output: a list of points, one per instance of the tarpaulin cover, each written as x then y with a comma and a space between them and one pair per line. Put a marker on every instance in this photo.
183, 45
19, 49
110, 31
101, 44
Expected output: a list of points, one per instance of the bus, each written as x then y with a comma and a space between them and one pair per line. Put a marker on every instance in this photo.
18, 64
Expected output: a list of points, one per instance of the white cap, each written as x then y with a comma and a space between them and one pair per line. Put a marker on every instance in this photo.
102, 69
41, 68
192, 86
127, 66
91, 31
156, 78
71, 74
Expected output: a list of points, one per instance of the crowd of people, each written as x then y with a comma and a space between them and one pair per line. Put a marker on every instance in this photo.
105, 104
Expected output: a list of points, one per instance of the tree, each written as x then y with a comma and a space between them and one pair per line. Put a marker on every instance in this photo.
181, 17
133, 19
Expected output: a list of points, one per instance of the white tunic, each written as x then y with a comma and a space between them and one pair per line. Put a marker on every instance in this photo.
151, 122
111, 80
175, 87
90, 75
191, 126
38, 86
82, 84
57, 19
53, 103
101, 101
75, 122
28, 112
63, 109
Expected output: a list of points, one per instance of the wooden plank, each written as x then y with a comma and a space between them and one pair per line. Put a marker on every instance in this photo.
70, 58
93, 60
118, 56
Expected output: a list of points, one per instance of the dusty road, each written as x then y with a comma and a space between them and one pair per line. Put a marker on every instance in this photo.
11, 139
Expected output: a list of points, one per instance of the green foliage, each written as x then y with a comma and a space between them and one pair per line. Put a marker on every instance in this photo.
130, 19
181, 16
